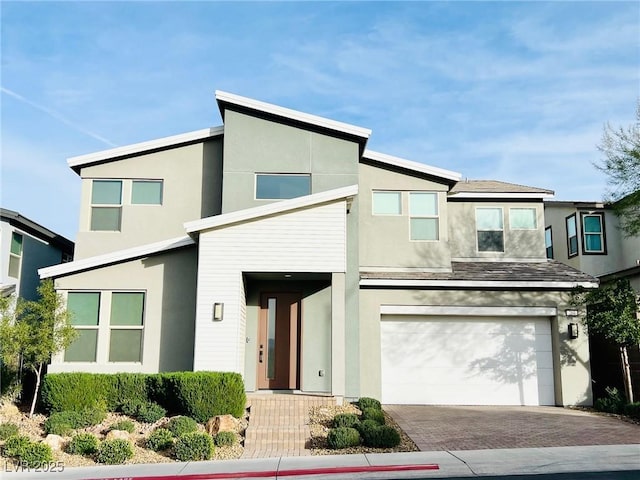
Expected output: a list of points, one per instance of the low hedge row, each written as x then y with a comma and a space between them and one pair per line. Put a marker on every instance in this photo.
200, 395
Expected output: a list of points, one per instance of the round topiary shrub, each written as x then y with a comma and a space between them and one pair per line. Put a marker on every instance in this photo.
194, 446
62, 423
34, 455
14, 446
373, 414
345, 420
8, 430
83, 444
367, 402
380, 436
181, 425
224, 439
160, 439
150, 412
125, 425
343, 437
115, 452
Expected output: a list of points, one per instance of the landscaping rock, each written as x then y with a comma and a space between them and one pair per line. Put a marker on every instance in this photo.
56, 442
221, 423
117, 434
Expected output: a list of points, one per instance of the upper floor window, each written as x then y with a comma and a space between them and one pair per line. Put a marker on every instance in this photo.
146, 192
423, 213
548, 242
490, 229
593, 240
15, 255
106, 205
387, 203
522, 219
282, 186
572, 235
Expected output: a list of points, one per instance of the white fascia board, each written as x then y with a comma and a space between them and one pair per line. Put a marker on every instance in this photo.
411, 165
145, 146
271, 209
468, 310
292, 114
381, 282
114, 257
502, 195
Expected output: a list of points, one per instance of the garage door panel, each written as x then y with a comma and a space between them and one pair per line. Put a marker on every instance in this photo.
467, 361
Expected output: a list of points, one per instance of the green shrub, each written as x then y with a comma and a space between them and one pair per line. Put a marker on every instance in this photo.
367, 424
194, 446
343, 437
115, 452
61, 423
92, 416
373, 414
8, 430
380, 436
178, 426
150, 412
367, 402
224, 439
632, 410
83, 444
35, 454
14, 446
125, 425
613, 403
345, 420
130, 407
160, 439
78, 391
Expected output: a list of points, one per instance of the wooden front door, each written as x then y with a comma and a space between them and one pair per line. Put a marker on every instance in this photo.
279, 341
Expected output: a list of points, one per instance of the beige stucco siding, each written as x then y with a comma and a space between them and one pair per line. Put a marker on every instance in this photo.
169, 283
192, 183
570, 357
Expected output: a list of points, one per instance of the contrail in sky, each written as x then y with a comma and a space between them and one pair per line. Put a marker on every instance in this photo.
57, 116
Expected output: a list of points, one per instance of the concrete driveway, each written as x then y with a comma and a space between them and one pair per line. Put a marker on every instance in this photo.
475, 428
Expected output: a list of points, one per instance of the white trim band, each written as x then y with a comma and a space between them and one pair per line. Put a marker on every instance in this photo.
382, 282
468, 311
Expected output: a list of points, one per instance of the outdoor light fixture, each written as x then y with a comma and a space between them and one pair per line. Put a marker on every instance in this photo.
571, 313
218, 309
573, 330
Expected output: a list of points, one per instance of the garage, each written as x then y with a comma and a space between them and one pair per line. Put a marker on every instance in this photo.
466, 360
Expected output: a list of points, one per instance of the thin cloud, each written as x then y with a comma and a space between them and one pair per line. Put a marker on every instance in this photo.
57, 116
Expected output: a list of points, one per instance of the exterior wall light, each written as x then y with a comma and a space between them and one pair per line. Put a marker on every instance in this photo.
573, 330
218, 311
571, 313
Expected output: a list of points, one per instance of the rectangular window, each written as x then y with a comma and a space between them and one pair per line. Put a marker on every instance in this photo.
593, 233
387, 203
490, 229
423, 213
548, 242
106, 205
126, 322
146, 192
522, 219
572, 235
84, 308
15, 255
282, 186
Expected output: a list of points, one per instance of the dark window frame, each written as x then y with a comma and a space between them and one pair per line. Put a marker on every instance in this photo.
566, 227
550, 247
584, 235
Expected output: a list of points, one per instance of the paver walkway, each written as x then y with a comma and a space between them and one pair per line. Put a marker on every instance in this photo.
476, 428
279, 424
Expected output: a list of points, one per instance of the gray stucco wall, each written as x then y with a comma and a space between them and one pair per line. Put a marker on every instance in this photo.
169, 281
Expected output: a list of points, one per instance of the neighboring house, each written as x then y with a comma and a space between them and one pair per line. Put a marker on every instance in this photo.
279, 247
26, 246
587, 236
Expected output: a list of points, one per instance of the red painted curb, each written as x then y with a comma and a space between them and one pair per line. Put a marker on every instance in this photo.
283, 473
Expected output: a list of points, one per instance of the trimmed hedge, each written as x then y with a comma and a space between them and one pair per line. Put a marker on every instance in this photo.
200, 395
373, 414
194, 446
178, 426
115, 452
367, 402
345, 420
61, 423
343, 437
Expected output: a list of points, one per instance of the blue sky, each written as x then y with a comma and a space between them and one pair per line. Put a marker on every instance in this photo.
511, 91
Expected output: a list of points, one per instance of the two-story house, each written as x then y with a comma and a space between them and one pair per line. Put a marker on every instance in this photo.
280, 247
25, 247
587, 236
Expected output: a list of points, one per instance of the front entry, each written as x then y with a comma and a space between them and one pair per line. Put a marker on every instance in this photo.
279, 341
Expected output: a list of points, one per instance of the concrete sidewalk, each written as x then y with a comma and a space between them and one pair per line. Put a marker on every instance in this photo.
452, 464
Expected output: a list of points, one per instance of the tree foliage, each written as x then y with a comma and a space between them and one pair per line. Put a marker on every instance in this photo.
621, 164
32, 331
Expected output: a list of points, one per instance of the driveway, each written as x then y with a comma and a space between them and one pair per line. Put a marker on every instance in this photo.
475, 428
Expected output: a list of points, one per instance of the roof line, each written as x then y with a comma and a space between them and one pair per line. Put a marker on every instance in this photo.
411, 165
269, 108
270, 209
35, 228
536, 195
114, 257
137, 148
381, 282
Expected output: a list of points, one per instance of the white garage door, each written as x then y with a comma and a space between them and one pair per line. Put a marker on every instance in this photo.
466, 360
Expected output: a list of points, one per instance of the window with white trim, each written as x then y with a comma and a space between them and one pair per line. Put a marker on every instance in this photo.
106, 205
548, 242
572, 235
593, 240
275, 186
146, 192
522, 219
423, 216
387, 203
490, 229
15, 255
